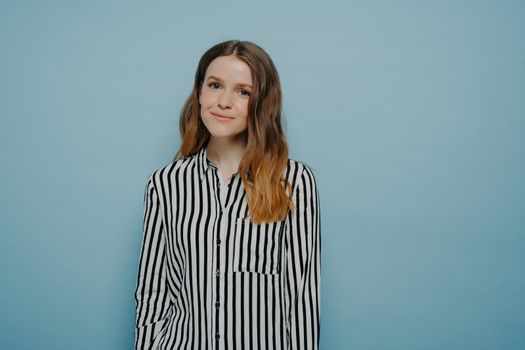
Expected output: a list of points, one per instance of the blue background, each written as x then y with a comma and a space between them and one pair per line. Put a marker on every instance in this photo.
412, 114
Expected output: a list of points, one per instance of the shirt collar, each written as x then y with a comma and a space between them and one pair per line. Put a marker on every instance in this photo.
203, 162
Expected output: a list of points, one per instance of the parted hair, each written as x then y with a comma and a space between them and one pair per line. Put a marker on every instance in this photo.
266, 154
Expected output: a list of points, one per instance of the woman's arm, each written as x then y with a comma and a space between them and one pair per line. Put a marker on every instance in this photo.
304, 265
150, 295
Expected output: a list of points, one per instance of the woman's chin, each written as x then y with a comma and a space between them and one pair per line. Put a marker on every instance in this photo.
223, 134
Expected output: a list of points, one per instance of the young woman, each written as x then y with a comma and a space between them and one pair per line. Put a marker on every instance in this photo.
231, 246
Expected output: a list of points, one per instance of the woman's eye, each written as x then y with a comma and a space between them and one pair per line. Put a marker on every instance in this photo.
213, 85
245, 92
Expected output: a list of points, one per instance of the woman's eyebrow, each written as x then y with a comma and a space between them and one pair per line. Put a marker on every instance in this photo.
222, 81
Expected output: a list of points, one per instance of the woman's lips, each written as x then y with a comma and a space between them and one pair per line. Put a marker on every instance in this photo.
220, 117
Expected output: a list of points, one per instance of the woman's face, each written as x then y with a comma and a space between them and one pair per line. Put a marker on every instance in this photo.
224, 96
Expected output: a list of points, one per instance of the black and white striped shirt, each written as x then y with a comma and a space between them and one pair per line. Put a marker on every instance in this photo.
210, 278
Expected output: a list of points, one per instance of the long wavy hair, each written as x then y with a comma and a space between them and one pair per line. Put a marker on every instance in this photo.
266, 153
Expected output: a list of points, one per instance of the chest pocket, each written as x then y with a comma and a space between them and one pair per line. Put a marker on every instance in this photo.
258, 246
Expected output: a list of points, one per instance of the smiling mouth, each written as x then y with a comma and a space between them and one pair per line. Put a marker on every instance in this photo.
221, 117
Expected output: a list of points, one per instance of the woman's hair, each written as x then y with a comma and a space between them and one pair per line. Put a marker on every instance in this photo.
266, 154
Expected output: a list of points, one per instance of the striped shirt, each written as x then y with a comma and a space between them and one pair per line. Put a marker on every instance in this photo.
210, 278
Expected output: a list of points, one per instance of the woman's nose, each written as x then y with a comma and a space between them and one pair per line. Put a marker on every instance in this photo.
225, 100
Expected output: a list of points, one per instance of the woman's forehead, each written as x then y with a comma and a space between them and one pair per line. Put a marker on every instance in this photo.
229, 69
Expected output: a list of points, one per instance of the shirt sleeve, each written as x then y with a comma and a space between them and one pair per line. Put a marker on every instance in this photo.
151, 293
303, 266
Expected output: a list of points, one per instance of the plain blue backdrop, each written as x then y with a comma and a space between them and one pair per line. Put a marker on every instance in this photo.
412, 114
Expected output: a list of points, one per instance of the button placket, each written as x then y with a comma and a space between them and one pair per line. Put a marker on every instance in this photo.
218, 233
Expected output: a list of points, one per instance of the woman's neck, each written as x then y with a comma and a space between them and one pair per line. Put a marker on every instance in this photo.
226, 153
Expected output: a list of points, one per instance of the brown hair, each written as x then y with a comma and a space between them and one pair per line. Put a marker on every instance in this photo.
266, 154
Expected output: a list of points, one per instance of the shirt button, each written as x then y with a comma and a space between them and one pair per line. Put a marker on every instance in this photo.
217, 304
218, 272
218, 241
217, 335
